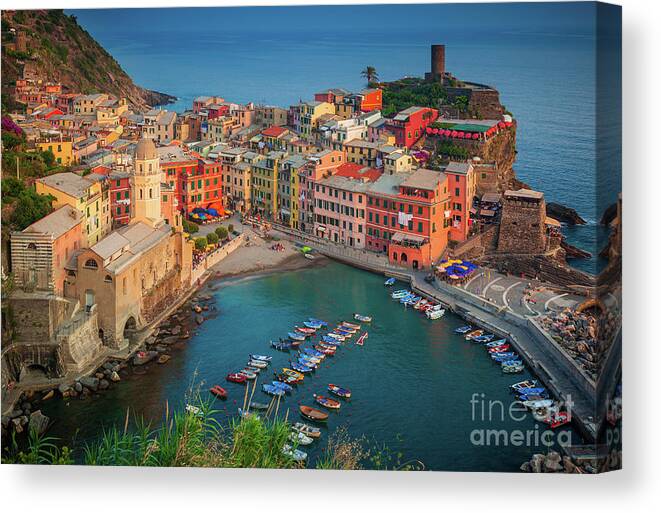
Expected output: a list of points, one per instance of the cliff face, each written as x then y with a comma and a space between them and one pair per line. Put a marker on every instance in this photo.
51, 46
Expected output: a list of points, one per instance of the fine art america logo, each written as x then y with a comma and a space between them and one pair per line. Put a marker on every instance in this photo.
492, 413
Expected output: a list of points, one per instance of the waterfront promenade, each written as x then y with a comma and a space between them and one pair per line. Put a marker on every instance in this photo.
504, 313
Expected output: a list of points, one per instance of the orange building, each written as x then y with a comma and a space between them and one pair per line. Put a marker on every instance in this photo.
405, 217
461, 189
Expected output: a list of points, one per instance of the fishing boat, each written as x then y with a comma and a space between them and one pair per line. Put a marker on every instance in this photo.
334, 336
511, 363
327, 350
273, 390
389, 282
532, 391
513, 369
258, 363
327, 402
350, 325
404, 299
281, 346
361, 340
318, 321
313, 352
307, 429
300, 438
313, 414
499, 349
339, 391
259, 406
483, 339
309, 359
304, 330
312, 325
536, 405
292, 373
307, 363
557, 419
236, 377
420, 304
295, 454
529, 383
252, 368
345, 330
435, 313
362, 318
260, 357
496, 343
301, 368
250, 375
289, 380
296, 336
398, 294
284, 386
474, 334
503, 357
462, 330
218, 391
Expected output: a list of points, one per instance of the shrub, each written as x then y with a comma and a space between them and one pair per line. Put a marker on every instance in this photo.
222, 233
190, 227
212, 238
230, 228
201, 243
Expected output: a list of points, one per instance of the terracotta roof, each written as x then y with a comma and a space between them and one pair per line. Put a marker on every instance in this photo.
274, 131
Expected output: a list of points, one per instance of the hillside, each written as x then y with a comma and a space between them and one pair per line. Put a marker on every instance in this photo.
58, 49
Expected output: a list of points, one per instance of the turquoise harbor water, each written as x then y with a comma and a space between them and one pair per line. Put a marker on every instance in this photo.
412, 381
541, 57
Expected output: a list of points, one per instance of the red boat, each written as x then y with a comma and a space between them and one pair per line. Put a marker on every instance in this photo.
326, 350
499, 349
557, 419
305, 331
236, 378
218, 391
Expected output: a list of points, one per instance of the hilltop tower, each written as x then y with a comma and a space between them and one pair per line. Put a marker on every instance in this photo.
146, 184
437, 61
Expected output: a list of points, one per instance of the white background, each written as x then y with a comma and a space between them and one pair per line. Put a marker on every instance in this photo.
75, 489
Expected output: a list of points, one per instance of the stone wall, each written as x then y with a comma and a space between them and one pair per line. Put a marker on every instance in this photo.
161, 295
478, 245
483, 102
37, 316
522, 228
79, 340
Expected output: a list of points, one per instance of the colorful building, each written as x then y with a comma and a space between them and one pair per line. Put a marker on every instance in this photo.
318, 166
462, 184
86, 196
405, 217
409, 125
341, 204
61, 148
264, 192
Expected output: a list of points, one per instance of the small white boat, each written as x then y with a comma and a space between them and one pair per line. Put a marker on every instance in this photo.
308, 256
399, 294
295, 454
300, 438
536, 405
248, 374
257, 363
307, 430
435, 312
362, 318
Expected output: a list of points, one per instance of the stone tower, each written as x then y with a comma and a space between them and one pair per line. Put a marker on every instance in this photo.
522, 225
437, 62
146, 184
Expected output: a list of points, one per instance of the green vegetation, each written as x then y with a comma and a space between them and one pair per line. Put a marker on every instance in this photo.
190, 227
212, 238
196, 439
24, 205
448, 149
230, 228
222, 232
201, 243
409, 92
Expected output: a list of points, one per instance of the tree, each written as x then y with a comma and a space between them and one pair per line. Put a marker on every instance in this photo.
230, 228
190, 227
201, 243
212, 238
370, 74
222, 232
30, 207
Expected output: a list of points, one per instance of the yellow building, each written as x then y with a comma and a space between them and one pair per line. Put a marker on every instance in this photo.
362, 152
63, 150
84, 195
310, 112
264, 192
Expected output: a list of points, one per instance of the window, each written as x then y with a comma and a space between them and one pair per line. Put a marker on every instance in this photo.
108, 278
91, 264
419, 227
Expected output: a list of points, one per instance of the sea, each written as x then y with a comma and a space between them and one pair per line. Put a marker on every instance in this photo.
541, 57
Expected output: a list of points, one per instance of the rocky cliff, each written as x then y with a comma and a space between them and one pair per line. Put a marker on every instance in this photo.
54, 47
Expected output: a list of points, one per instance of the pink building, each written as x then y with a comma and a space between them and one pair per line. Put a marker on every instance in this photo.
341, 203
320, 165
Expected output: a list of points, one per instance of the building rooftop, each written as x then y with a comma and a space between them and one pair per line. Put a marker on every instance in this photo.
404, 115
57, 223
525, 193
388, 184
68, 183
274, 131
427, 179
459, 168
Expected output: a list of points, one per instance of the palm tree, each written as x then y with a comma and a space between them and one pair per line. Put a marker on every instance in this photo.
370, 74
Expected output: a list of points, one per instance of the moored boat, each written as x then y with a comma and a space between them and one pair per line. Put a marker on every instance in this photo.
281, 346
495, 343
304, 330
254, 405
218, 391
273, 390
295, 454
529, 383
317, 321
361, 340
289, 380
339, 391
284, 386
327, 402
474, 334
499, 349
258, 363
248, 374
300, 438
350, 325
462, 330
236, 377
398, 294
389, 282
313, 414
312, 325
435, 313
296, 336
307, 430
292, 373
260, 358
301, 368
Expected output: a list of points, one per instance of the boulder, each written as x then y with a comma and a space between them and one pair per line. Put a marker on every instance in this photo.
104, 384
49, 395
144, 358
92, 383
18, 428
15, 413
570, 468
553, 462
64, 388
114, 377
164, 358
537, 463
78, 387
98, 375
38, 422
108, 365
176, 330
564, 214
199, 319
525, 467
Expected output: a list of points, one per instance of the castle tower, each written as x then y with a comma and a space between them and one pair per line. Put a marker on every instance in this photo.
146, 184
437, 62
522, 223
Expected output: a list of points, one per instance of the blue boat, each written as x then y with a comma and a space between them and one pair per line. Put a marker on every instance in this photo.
307, 363
283, 386
330, 340
533, 391
312, 325
281, 346
300, 368
483, 339
317, 321
496, 343
504, 357
296, 336
462, 330
273, 390
344, 333
389, 282
511, 363
313, 352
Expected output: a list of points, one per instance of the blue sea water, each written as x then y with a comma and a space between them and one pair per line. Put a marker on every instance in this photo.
541, 57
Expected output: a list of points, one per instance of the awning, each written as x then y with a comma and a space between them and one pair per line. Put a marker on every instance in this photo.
401, 237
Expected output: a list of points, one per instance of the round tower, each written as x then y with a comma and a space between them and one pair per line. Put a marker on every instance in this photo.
437, 61
146, 184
